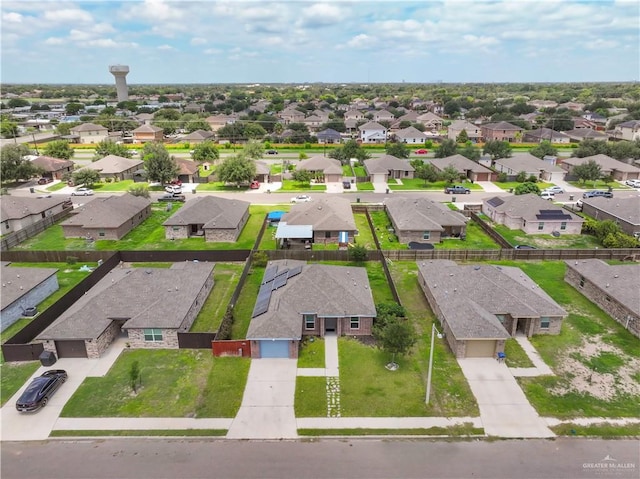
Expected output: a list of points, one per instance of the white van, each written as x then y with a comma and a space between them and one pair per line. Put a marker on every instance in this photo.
547, 195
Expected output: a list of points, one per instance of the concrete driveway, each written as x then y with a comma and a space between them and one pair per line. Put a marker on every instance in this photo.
504, 409
267, 405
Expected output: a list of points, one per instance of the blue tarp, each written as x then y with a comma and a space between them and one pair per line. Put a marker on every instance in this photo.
275, 215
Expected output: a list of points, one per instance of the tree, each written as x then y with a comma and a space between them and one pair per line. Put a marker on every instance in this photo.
197, 124
139, 190
58, 149
591, 147
17, 103
560, 122
8, 129
497, 149
451, 108
110, 147
625, 150
427, 173
545, 148
450, 175
86, 177
397, 337
73, 108
205, 151
588, 171
525, 188
358, 253
446, 148
463, 137
134, 376
158, 164
301, 176
13, 164
471, 152
237, 170
399, 150
253, 149
254, 131
351, 149
65, 128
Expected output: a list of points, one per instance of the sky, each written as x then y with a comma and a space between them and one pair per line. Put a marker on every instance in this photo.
236, 41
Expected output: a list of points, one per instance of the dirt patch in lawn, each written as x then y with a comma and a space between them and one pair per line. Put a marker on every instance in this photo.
599, 370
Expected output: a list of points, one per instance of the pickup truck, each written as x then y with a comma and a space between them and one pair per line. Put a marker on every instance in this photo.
170, 197
458, 189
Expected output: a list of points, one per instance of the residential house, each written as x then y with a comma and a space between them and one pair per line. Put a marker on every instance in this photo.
628, 130
383, 115
431, 121
474, 132
372, 132
110, 217
579, 134
323, 115
145, 133
297, 299
546, 134
480, 306
582, 123
386, 167
313, 122
198, 136
355, 115
54, 168
423, 220
531, 165
328, 220
328, 136
572, 105
150, 305
291, 115
88, 133
194, 108
411, 136
188, 170
143, 118
531, 214
540, 104
263, 172
625, 212
211, 217
467, 168
23, 288
19, 212
501, 131
614, 288
115, 167
322, 168
617, 169
597, 118
219, 121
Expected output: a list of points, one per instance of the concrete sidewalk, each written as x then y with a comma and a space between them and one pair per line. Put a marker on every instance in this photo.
504, 409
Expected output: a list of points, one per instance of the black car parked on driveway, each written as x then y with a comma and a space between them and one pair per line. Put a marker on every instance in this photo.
40, 390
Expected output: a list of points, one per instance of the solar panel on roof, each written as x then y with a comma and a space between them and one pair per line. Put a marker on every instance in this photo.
280, 280
553, 216
294, 272
269, 274
260, 309
495, 202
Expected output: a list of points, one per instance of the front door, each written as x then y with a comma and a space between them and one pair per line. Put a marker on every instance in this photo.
331, 324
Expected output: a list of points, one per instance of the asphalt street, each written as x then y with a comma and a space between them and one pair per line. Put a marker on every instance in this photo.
140, 458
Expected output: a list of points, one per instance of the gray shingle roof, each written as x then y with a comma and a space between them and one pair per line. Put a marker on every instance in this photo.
528, 163
109, 212
501, 125
606, 162
324, 290
619, 281
147, 129
144, 297
114, 164
18, 281
329, 213
527, 207
460, 163
47, 163
469, 297
211, 211
87, 127
321, 163
627, 209
372, 125
410, 132
422, 214
17, 207
385, 163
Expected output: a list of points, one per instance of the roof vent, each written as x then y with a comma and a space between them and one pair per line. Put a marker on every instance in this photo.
615, 275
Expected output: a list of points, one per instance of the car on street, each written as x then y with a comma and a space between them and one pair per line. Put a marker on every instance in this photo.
458, 189
254, 185
301, 199
547, 195
40, 390
346, 185
633, 183
421, 151
272, 152
44, 180
176, 182
556, 190
82, 192
172, 197
174, 189
597, 193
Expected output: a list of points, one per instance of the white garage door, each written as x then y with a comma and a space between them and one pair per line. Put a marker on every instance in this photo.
480, 349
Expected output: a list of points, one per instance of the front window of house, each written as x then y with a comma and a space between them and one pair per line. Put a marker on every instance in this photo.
152, 334
426, 235
354, 323
540, 226
545, 323
563, 226
309, 321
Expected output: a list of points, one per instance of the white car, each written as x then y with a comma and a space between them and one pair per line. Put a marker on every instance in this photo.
633, 183
301, 199
547, 195
174, 189
82, 192
556, 190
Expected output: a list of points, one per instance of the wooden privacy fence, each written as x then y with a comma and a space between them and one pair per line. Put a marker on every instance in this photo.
13, 239
238, 348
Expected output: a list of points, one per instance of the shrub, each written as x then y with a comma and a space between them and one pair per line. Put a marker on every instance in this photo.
502, 177
521, 176
260, 258
532, 179
358, 253
72, 259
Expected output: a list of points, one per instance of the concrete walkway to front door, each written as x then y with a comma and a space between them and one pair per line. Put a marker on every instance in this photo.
267, 405
504, 409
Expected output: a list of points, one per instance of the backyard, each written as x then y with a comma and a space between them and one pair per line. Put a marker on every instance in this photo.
546, 241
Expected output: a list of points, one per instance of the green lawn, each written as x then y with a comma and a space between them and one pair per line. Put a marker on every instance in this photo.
295, 186
220, 186
310, 397
225, 277
13, 376
381, 224
115, 186
311, 353
557, 395
149, 235
246, 301
507, 185
360, 171
139, 432
347, 171
365, 236
418, 184
363, 186
516, 357
57, 186
175, 383
595, 185
547, 241
476, 238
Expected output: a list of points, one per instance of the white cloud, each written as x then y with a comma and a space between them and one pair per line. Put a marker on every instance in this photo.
69, 15
212, 51
11, 17
165, 47
361, 41
600, 44
198, 41
54, 41
321, 14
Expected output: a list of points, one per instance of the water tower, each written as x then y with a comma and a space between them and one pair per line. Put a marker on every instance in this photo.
120, 72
